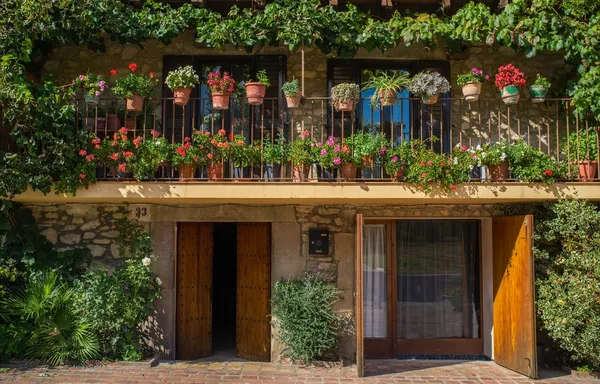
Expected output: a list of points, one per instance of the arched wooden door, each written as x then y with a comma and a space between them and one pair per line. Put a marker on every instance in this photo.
253, 324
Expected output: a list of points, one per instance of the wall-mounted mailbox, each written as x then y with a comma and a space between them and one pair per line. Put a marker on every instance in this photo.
318, 242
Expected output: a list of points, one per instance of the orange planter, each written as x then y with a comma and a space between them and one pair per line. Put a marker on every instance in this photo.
294, 101
345, 106
587, 169
349, 171
182, 95
136, 103
187, 171
215, 172
220, 100
255, 92
499, 172
387, 98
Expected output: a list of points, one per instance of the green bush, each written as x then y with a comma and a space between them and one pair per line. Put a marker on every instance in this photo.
302, 310
568, 278
41, 324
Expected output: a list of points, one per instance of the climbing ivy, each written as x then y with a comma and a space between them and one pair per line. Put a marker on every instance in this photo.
29, 29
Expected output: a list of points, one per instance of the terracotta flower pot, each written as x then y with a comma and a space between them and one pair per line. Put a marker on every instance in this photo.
301, 172
113, 122
471, 91
510, 95
215, 171
349, 171
220, 100
186, 171
427, 99
499, 172
182, 95
538, 93
136, 103
345, 105
255, 92
587, 169
294, 101
387, 98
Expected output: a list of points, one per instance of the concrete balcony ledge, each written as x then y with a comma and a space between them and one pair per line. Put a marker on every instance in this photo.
315, 193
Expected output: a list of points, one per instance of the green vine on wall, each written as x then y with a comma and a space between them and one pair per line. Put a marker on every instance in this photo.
29, 29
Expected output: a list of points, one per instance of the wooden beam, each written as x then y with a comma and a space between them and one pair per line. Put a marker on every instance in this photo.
386, 3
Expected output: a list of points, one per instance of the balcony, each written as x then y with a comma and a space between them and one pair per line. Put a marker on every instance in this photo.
449, 123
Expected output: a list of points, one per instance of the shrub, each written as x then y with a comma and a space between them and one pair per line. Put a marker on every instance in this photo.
530, 164
302, 310
568, 278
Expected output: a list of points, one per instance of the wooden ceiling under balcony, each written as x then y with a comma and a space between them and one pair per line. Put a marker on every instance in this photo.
377, 7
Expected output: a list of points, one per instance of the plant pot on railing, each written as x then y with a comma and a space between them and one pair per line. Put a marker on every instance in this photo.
387, 98
345, 105
294, 101
220, 101
349, 171
587, 169
135, 103
498, 172
538, 93
255, 92
113, 122
300, 172
187, 171
182, 95
429, 99
471, 91
92, 100
510, 95
215, 171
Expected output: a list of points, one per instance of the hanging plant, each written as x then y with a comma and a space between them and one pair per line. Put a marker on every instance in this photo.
471, 83
293, 93
256, 90
221, 88
181, 81
510, 80
135, 88
428, 85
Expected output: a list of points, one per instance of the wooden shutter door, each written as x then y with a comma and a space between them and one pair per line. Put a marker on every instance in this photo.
514, 316
253, 325
360, 326
194, 290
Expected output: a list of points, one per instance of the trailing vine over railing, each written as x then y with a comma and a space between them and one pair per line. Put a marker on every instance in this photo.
30, 29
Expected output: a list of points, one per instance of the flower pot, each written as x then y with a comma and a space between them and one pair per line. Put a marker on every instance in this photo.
429, 99
345, 106
301, 172
215, 171
499, 172
510, 95
130, 124
387, 98
471, 91
187, 171
294, 101
136, 103
255, 92
92, 100
587, 169
367, 161
538, 93
349, 171
182, 95
113, 122
220, 100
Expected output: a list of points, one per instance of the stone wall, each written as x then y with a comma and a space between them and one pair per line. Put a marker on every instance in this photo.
92, 225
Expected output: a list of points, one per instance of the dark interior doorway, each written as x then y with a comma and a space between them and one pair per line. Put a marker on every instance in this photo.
224, 288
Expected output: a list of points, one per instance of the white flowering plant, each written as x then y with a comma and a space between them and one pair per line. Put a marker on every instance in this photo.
182, 77
494, 154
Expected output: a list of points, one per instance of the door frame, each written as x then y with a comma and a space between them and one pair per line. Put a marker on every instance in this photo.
391, 346
175, 260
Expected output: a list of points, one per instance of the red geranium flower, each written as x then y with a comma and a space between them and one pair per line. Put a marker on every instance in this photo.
123, 130
89, 158
548, 172
122, 167
423, 175
133, 67
210, 156
82, 152
151, 74
113, 72
222, 132
82, 175
114, 156
453, 187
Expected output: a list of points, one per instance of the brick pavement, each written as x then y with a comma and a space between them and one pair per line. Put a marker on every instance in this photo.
379, 371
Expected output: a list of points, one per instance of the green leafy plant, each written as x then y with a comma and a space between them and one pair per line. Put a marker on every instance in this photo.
384, 82
182, 77
151, 153
188, 153
367, 147
240, 153
303, 312
328, 154
474, 76
291, 88
42, 324
530, 164
277, 150
117, 152
91, 84
263, 78
429, 83
301, 149
542, 81
345, 93
398, 159
581, 145
133, 83
495, 154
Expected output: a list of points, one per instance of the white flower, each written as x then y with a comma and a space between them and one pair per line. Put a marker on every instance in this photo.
455, 161
478, 147
502, 156
158, 281
483, 155
457, 145
146, 261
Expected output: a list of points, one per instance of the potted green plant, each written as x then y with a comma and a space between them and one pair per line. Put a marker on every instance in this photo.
255, 90
301, 156
471, 83
345, 96
215, 149
530, 164
368, 147
221, 87
386, 85
509, 80
495, 158
428, 85
241, 155
117, 153
350, 159
539, 89
582, 151
92, 86
398, 159
293, 93
328, 155
135, 88
276, 152
186, 157
151, 153
181, 81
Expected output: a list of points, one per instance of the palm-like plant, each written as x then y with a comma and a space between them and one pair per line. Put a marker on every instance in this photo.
385, 83
41, 324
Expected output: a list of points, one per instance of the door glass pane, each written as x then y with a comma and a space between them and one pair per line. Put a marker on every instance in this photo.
438, 279
374, 277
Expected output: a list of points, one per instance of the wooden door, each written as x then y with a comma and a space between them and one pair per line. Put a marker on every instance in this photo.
194, 290
358, 294
253, 324
514, 317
